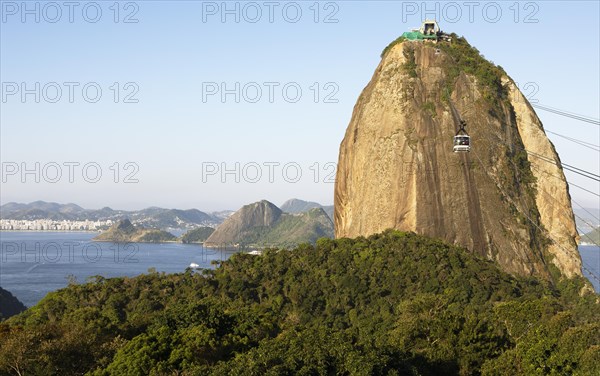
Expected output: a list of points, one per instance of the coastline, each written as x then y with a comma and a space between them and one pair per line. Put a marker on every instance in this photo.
132, 242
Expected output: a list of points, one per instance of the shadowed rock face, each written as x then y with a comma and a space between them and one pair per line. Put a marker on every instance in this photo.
397, 168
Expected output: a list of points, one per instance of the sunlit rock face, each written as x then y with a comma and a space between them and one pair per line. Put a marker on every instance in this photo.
397, 168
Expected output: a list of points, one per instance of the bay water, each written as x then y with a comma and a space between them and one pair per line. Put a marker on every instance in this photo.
35, 263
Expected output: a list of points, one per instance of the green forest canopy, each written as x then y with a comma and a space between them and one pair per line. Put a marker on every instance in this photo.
391, 304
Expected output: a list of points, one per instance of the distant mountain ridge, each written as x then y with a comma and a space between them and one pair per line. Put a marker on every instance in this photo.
587, 219
295, 206
153, 217
42, 205
264, 224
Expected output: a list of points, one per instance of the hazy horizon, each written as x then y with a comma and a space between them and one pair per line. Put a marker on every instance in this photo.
200, 106
155, 206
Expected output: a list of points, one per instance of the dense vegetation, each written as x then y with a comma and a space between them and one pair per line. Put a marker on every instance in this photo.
391, 45
466, 59
392, 304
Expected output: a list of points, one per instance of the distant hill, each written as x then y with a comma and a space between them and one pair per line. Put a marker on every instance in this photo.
592, 237
153, 217
12, 207
222, 215
586, 219
41, 210
125, 232
264, 224
172, 218
293, 229
295, 206
245, 223
197, 235
9, 305
298, 206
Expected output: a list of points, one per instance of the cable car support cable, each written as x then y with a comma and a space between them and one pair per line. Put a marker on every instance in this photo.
571, 115
579, 142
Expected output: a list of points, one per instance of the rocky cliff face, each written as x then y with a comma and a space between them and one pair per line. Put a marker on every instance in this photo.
397, 168
552, 199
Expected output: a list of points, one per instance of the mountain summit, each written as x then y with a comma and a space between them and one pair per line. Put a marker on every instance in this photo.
507, 199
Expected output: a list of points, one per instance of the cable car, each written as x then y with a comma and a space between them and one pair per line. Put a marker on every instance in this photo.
462, 141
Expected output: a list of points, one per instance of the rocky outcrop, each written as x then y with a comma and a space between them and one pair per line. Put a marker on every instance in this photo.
397, 169
262, 224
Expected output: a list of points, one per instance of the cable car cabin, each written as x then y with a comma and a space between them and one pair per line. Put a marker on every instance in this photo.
462, 143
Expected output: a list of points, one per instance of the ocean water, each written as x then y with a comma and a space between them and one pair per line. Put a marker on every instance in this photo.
35, 263
590, 257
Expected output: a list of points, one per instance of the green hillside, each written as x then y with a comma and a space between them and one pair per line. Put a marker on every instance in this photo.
262, 224
197, 235
392, 304
292, 229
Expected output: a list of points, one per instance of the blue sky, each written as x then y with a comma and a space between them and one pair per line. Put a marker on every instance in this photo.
181, 143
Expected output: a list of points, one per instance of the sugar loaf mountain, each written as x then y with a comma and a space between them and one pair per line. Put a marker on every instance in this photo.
506, 200
444, 263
